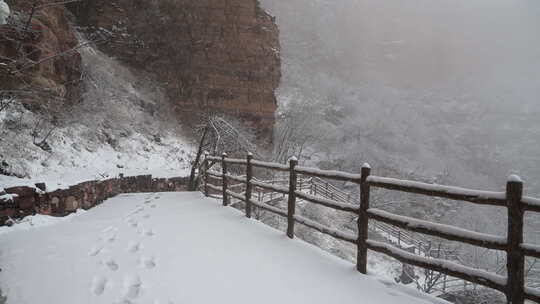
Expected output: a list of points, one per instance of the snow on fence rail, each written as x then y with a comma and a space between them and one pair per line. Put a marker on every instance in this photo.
513, 285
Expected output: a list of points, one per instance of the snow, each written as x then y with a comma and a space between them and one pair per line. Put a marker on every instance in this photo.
328, 173
241, 179
229, 160
275, 188
236, 161
7, 197
530, 247
123, 126
438, 188
327, 202
333, 232
156, 248
270, 208
270, 165
236, 195
446, 229
533, 202
38, 220
515, 178
452, 266
215, 188
532, 291
68, 167
4, 12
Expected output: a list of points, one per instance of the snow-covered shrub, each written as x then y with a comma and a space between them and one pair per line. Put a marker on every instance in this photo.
4, 12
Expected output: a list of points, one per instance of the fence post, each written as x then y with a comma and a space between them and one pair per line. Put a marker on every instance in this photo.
515, 259
224, 179
206, 173
272, 193
444, 282
361, 259
249, 176
291, 204
326, 189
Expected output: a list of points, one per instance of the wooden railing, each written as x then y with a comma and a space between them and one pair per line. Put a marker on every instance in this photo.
512, 285
401, 237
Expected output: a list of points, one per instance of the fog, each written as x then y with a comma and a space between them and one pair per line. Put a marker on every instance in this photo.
431, 87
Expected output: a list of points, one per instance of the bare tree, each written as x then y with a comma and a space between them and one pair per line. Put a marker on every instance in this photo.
4, 103
221, 135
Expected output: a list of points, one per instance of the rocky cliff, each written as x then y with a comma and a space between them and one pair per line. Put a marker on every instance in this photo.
209, 55
35, 57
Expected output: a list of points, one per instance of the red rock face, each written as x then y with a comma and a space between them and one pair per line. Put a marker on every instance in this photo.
211, 55
56, 79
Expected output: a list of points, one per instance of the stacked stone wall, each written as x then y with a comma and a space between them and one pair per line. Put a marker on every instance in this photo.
18, 202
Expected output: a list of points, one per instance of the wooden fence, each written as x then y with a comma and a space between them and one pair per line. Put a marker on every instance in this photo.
512, 285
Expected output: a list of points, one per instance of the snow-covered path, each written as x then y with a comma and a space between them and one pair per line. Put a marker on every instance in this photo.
178, 248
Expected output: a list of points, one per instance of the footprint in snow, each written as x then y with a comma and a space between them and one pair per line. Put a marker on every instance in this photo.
133, 212
98, 285
95, 251
111, 238
110, 228
134, 247
111, 264
146, 216
153, 206
386, 282
137, 210
147, 262
148, 232
133, 223
132, 287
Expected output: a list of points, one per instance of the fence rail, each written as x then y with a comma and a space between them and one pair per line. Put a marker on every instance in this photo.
512, 285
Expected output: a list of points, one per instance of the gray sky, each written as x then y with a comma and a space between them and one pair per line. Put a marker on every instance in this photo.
457, 81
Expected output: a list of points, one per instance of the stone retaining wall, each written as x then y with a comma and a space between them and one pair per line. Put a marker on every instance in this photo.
22, 201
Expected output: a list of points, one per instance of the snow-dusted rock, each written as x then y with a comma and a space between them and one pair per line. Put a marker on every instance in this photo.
4, 12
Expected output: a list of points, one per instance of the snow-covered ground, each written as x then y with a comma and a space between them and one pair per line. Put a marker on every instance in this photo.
178, 248
124, 124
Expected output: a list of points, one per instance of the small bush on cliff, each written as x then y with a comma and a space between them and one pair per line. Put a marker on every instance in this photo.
4, 12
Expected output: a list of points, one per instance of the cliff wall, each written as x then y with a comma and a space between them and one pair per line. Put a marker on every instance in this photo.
210, 55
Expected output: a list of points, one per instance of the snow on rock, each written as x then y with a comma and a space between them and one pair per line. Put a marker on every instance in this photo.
184, 260
4, 12
7, 197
